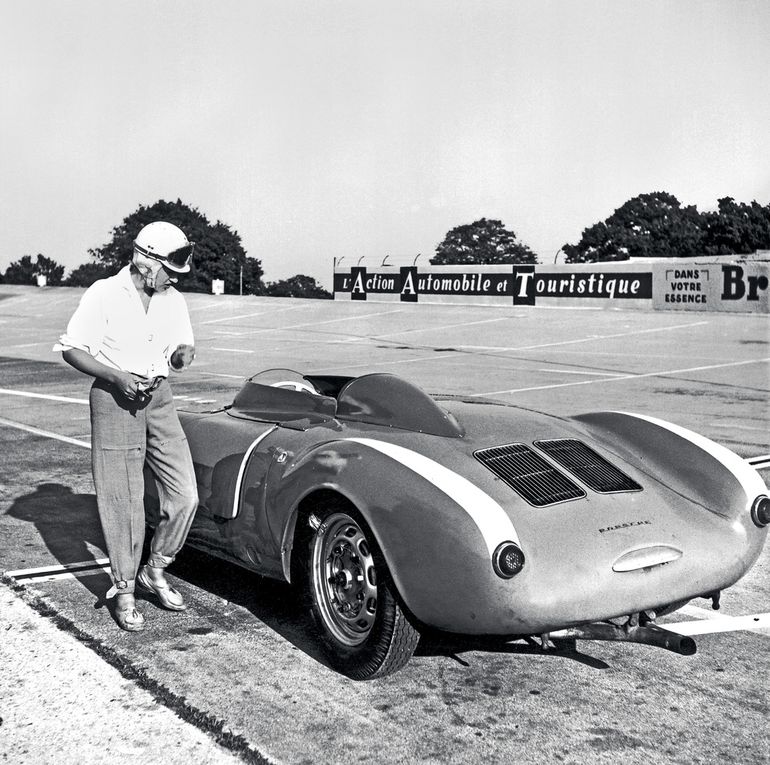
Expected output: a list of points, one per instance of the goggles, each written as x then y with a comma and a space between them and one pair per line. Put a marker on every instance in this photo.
176, 260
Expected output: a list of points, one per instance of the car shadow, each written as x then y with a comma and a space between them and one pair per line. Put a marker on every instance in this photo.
284, 609
453, 646
277, 604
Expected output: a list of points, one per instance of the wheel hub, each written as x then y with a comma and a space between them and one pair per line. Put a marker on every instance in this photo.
344, 579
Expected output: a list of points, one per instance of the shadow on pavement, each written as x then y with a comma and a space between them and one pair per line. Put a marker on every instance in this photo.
68, 524
275, 603
284, 609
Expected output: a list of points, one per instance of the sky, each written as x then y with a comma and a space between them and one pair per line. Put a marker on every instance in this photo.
352, 129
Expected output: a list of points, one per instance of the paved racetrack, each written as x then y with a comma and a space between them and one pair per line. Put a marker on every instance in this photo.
243, 656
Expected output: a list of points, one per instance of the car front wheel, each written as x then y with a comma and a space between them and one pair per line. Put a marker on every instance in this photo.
366, 633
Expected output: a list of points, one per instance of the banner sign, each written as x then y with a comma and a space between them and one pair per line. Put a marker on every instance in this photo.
692, 284
517, 285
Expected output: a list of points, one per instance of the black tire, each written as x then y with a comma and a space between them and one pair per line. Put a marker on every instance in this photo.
364, 631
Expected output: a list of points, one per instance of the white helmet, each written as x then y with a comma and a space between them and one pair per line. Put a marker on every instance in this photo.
165, 243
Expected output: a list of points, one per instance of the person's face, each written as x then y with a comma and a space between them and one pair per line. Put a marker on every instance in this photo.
165, 279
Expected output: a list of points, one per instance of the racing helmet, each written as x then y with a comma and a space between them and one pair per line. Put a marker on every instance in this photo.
165, 243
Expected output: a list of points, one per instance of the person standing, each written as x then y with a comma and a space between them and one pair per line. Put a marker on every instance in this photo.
126, 332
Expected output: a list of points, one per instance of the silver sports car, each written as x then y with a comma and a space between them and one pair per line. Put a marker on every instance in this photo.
397, 512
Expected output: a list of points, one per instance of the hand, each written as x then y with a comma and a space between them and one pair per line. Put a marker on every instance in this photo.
182, 357
130, 384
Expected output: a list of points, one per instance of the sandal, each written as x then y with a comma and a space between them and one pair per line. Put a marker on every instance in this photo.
169, 597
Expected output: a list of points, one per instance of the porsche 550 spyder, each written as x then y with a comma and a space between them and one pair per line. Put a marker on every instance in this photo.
397, 512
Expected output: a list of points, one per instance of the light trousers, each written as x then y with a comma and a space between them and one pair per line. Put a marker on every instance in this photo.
123, 437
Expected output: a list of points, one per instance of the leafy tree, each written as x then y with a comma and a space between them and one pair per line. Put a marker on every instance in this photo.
219, 253
299, 286
24, 271
737, 228
599, 242
87, 273
483, 241
649, 225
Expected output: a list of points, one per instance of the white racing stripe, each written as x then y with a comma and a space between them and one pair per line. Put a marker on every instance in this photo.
748, 477
492, 521
242, 468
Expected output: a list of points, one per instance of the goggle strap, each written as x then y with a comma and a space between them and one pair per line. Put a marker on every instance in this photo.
179, 257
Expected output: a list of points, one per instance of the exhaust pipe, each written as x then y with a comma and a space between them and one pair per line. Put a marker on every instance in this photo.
649, 634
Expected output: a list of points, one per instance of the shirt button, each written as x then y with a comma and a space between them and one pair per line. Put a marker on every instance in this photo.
149, 338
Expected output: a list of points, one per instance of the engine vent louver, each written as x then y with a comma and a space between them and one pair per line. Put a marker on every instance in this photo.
588, 466
529, 475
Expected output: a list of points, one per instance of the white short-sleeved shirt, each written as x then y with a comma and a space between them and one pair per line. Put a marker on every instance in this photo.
110, 324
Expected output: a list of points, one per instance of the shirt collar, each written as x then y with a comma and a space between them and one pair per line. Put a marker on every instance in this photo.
125, 279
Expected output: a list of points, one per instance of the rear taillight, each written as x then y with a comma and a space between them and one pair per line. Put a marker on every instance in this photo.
507, 560
760, 511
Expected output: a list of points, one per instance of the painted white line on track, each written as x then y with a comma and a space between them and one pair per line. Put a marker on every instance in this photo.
250, 315
194, 400
638, 355
758, 623
434, 357
57, 568
735, 426
233, 318
66, 575
232, 350
28, 345
221, 374
45, 433
262, 330
662, 373
441, 328
588, 374
204, 306
327, 321
590, 339
762, 459
47, 397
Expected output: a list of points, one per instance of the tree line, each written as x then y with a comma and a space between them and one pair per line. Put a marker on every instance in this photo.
219, 254
648, 225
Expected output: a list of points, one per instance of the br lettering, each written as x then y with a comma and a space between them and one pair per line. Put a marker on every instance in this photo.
736, 285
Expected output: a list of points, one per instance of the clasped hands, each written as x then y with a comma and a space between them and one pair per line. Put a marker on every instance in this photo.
137, 388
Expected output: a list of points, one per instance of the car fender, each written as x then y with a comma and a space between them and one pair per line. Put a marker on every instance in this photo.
437, 530
689, 463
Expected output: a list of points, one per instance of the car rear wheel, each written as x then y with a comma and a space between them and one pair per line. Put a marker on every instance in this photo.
365, 632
